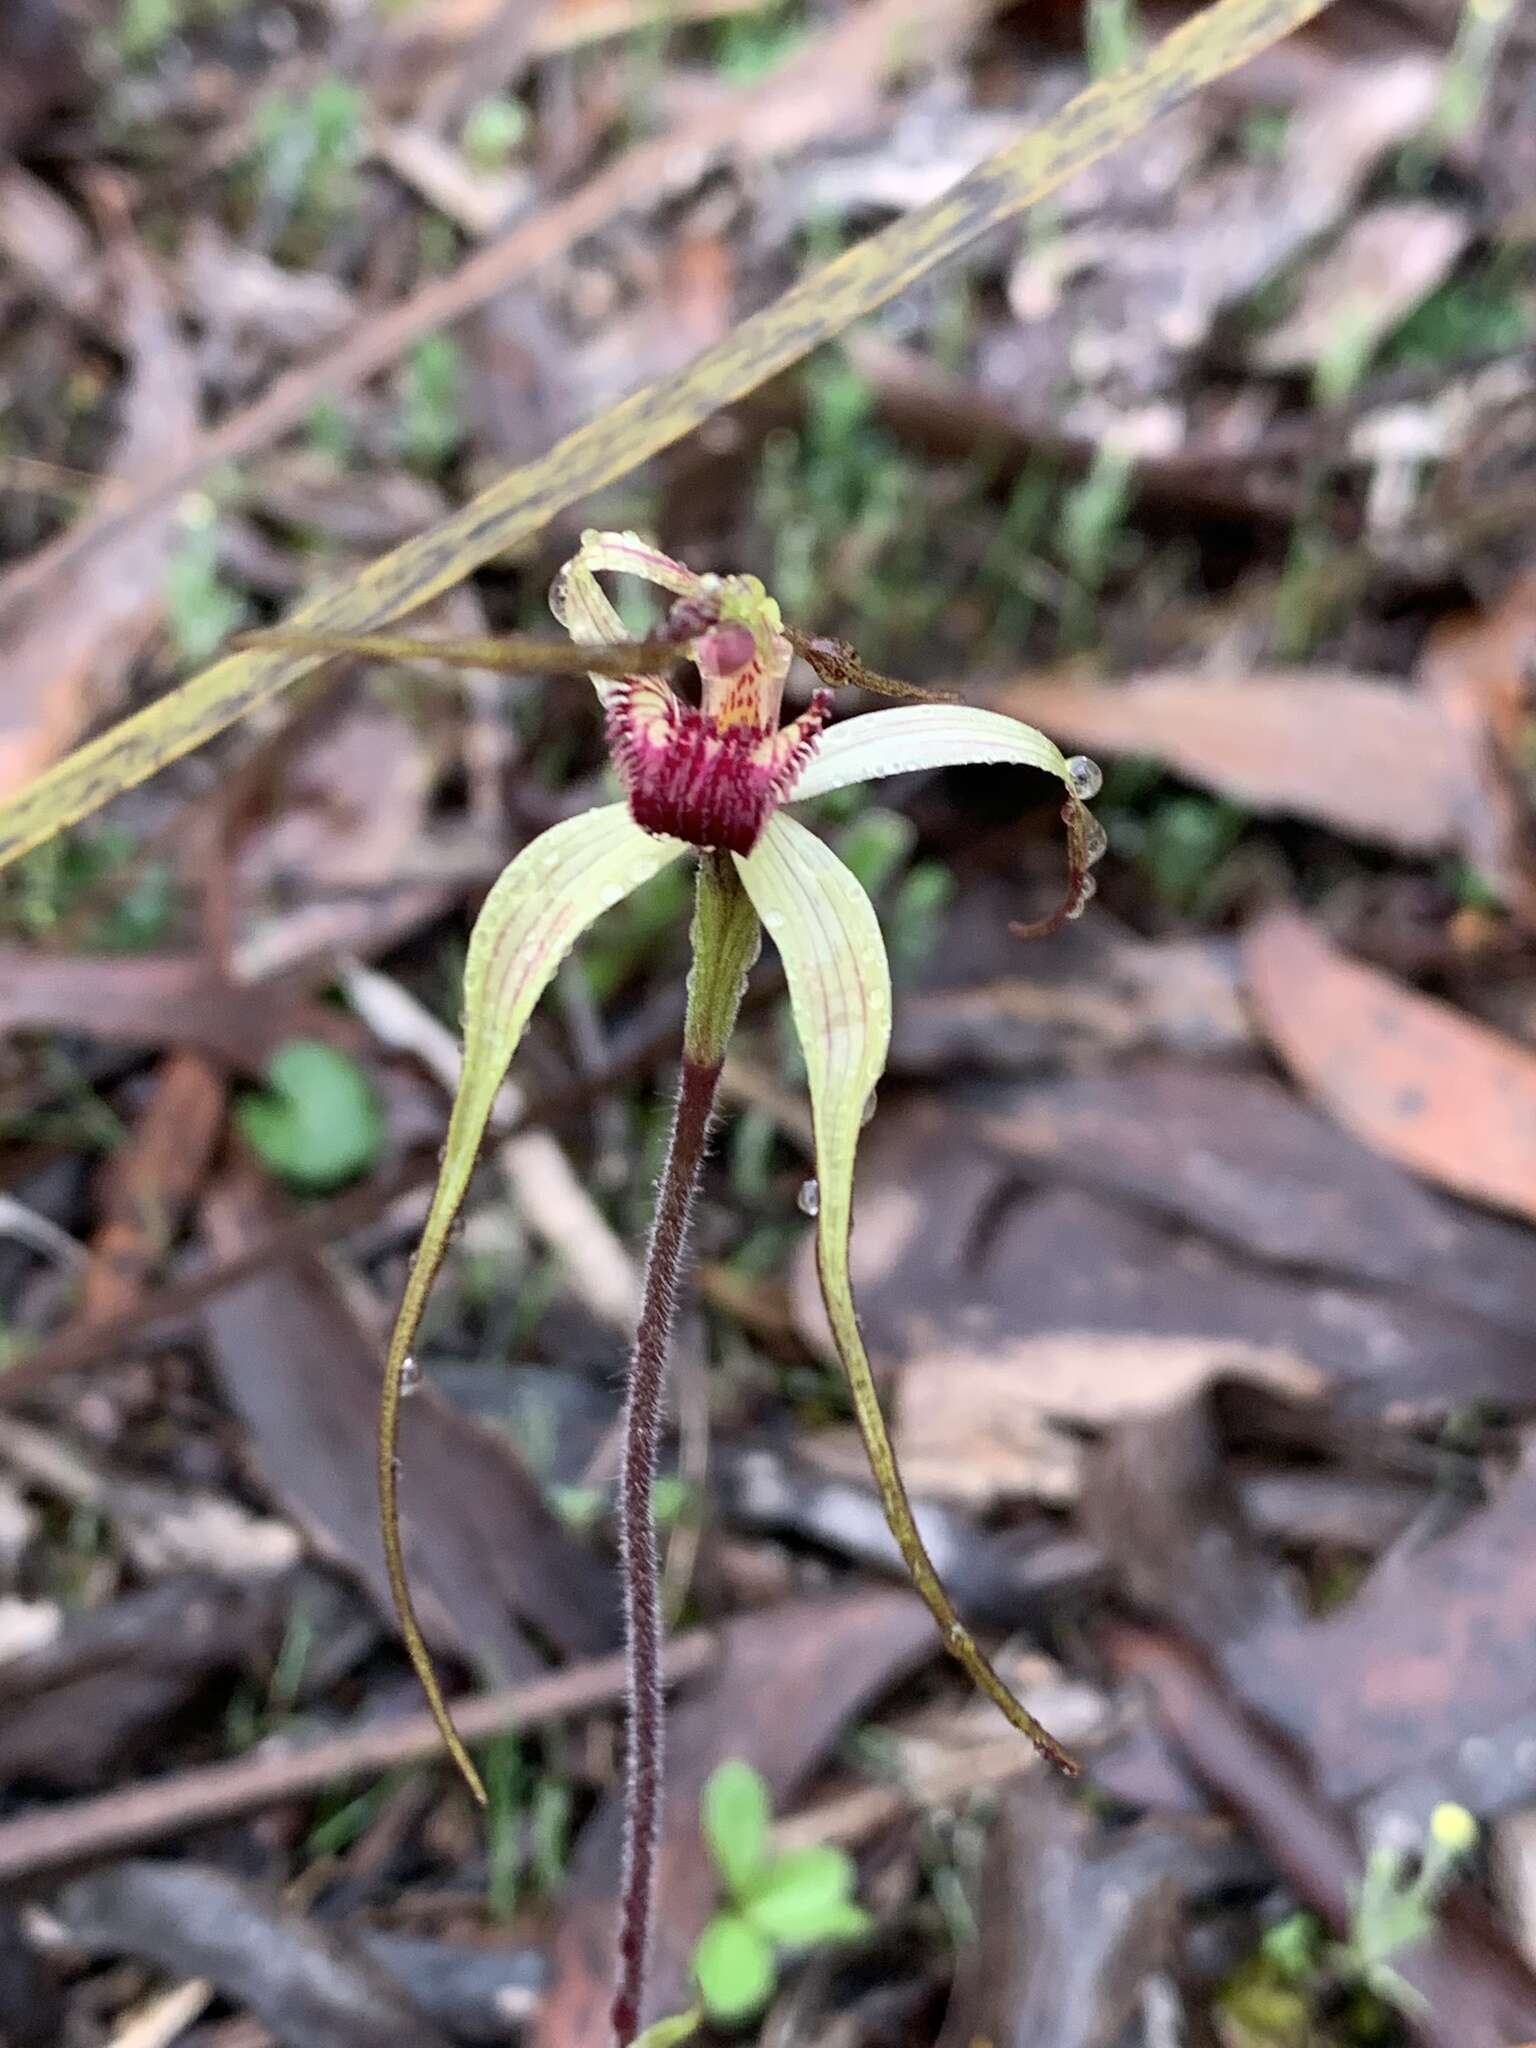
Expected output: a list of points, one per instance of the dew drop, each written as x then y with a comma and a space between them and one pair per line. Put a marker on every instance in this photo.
1095, 842
774, 920
868, 1110
809, 1198
410, 1376
1086, 894
1085, 777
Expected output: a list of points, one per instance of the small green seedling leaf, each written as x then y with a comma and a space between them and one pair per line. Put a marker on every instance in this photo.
320, 1125
733, 1967
735, 1811
806, 1897
493, 129
668, 2032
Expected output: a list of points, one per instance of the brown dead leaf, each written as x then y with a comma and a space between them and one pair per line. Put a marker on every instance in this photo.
307, 1981
246, 302
1439, 1647
965, 1256
1161, 1498
48, 244
102, 1690
349, 809
1105, 992
984, 1429
963, 1434
1424, 1084
486, 1552
144, 999
834, 75
1073, 1921
1240, 1157
80, 635
149, 1181
41, 65
1359, 755
1479, 672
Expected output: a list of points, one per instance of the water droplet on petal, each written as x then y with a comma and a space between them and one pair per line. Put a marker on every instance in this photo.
774, 920
808, 1200
868, 1110
410, 1377
1085, 777
1086, 894
1095, 842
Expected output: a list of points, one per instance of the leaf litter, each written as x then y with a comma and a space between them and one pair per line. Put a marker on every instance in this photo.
1194, 1247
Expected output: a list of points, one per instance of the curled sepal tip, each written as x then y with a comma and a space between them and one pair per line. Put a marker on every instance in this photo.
840, 991
539, 907
918, 736
1085, 843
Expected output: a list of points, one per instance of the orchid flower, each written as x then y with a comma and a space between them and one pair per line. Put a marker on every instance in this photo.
710, 783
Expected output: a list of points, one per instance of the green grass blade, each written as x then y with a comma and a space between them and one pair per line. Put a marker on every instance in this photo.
809, 314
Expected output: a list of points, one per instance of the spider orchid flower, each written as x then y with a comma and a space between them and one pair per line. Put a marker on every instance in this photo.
714, 780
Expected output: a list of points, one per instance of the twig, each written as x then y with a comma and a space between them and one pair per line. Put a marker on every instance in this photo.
166, 2017
84, 1830
571, 28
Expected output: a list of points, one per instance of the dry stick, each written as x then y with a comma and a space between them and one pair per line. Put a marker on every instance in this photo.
869, 43
808, 314
82, 1830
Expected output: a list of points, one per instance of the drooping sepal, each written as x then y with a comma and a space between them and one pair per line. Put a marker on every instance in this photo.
840, 991
542, 903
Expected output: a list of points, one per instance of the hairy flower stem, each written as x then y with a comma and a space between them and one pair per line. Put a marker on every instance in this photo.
725, 942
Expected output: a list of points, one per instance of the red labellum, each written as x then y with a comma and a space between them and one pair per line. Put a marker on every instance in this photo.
693, 777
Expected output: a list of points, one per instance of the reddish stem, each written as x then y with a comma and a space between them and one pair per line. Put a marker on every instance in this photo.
637, 1533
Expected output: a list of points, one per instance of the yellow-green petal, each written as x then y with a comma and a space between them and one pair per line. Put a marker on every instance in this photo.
825, 928
540, 906
923, 736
